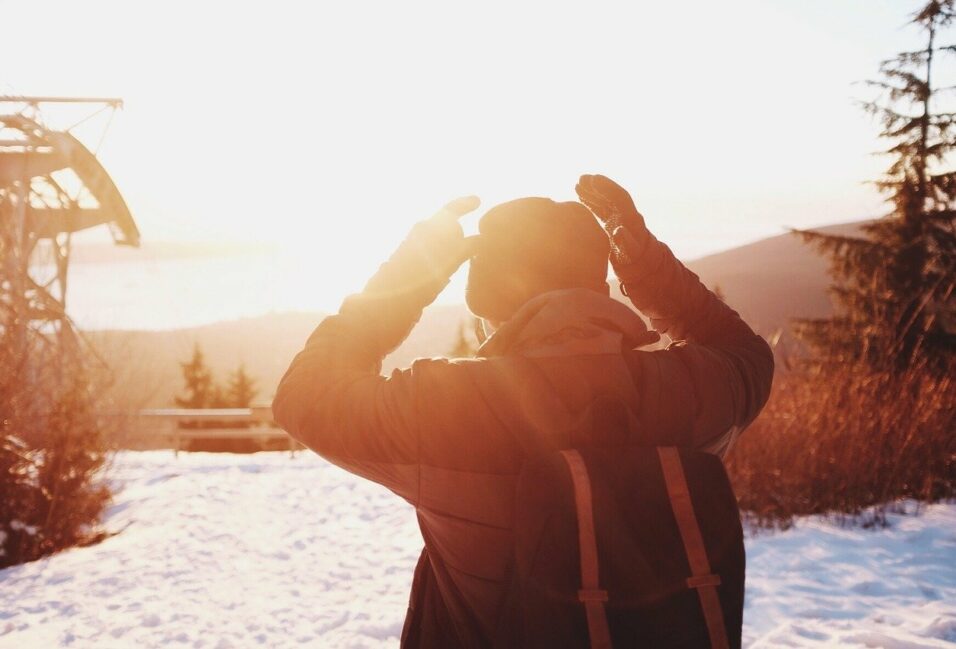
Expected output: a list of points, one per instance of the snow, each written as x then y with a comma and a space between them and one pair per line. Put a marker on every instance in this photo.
821, 584
222, 551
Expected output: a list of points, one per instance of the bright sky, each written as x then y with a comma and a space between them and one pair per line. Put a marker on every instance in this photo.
329, 128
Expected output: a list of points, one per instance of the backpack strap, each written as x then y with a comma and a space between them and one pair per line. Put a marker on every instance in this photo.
701, 577
591, 594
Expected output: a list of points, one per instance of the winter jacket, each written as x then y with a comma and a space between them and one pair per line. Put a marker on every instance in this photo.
450, 435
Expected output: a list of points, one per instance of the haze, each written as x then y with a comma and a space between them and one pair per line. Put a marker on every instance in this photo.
328, 129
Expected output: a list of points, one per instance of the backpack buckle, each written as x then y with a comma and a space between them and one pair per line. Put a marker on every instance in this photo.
585, 595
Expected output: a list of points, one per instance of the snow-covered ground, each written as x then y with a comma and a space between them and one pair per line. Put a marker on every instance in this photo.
237, 551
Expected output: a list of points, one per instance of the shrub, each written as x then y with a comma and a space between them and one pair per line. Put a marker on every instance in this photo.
51, 455
842, 439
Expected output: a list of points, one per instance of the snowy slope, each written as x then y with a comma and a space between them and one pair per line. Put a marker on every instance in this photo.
238, 551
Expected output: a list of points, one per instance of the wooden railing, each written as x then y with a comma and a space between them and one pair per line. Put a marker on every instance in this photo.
221, 423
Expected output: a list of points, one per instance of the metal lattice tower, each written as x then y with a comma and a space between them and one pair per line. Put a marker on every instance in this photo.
51, 186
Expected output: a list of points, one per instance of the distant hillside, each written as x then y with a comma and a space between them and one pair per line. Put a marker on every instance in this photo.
771, 281
145, 364
768, 282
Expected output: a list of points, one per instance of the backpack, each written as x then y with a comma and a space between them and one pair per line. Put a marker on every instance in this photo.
625, 547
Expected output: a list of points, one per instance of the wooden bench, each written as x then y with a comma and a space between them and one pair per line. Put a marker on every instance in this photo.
258, 427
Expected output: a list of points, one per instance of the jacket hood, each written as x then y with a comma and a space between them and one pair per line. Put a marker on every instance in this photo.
569, 322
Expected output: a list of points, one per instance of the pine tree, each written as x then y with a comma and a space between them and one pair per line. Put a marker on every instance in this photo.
465, 346
241, 389
719, 292
894, 286
200, 390
218, 397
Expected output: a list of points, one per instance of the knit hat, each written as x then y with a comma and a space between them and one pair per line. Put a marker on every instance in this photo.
530, 246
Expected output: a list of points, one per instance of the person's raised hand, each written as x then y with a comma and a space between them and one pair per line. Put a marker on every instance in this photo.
440, 239
614, 207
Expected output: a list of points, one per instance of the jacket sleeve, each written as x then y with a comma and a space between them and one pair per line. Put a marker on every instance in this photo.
333, 398
713, 380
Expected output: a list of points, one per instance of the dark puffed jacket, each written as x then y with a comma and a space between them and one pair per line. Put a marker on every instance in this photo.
450, 436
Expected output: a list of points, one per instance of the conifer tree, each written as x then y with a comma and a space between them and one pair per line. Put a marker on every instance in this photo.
241, 389
894, 286
200, 390
719, 292
465, 346
218, 398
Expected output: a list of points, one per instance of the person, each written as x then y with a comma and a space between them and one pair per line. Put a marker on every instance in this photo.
563, 361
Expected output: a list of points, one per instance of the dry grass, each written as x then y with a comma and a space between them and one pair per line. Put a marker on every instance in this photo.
842, 440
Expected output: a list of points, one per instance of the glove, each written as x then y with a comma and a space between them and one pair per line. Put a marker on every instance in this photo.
380, 317
440, 241
429, 256
630, 238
